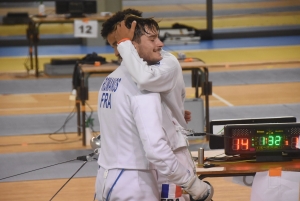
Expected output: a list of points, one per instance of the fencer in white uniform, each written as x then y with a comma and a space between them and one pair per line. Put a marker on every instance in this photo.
166, 78
131, 129
169, 81
132, 142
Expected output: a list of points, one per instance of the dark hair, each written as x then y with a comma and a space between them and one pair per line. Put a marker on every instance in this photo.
141, 25
109, 25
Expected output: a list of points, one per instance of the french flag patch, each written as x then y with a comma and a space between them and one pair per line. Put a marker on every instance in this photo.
171, 191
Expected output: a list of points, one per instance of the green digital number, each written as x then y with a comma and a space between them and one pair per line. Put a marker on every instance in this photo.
271, 141
262, 141
277, 140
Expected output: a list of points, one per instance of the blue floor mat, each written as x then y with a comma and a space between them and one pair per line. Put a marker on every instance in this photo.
203, 45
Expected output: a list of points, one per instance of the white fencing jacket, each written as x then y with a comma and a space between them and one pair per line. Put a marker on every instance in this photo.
165, 78
132, 136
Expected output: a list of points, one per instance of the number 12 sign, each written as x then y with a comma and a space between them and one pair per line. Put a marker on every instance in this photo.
85, 28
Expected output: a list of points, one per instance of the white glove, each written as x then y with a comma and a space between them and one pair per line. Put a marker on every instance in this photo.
198, 189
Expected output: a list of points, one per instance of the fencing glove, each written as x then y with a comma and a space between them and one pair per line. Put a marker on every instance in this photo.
96, 142
199, 190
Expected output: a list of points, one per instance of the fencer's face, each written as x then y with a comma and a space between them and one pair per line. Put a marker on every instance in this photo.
112, 41
149, 47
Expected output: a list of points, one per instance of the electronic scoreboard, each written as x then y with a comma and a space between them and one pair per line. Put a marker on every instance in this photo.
262, 139
217, 127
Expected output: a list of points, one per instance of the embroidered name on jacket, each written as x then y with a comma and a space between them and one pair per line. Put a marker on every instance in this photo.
108, 86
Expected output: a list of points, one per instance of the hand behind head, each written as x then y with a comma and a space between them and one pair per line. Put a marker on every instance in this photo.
123, 32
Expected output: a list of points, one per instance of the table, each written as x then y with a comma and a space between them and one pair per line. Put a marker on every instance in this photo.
33, 32
197, 68
247, 168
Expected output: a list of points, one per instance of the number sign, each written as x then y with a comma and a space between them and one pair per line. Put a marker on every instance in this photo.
85, 28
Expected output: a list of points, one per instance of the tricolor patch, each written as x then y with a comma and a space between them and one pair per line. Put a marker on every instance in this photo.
170, 191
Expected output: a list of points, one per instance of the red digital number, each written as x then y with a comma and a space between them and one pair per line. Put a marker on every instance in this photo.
236, 144
294, 142
240, 144
244, 143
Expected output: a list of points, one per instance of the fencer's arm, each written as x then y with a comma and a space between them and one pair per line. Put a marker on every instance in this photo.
147, 113
149, 77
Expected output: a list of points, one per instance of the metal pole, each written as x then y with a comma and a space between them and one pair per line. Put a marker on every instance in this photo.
209, 18
78, 115
35, 43
206, 100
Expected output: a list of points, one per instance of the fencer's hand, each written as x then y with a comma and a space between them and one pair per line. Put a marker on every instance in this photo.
123, 32
199, 190
187, 116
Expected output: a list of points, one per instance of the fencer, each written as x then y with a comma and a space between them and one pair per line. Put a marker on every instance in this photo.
134, 142
176, 90
164, 77
113, 99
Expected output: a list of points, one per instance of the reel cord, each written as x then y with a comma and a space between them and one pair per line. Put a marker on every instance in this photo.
57, 141
37, 169
69, 117
68, 180
205, 134
81, 158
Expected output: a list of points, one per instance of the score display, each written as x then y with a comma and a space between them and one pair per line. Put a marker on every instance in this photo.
264, 142
259, 138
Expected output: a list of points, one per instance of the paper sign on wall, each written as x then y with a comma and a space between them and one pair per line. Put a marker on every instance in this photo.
85, 28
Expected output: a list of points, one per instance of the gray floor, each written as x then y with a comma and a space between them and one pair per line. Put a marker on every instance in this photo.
239, 112
49, 123
217, 78
12, 164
